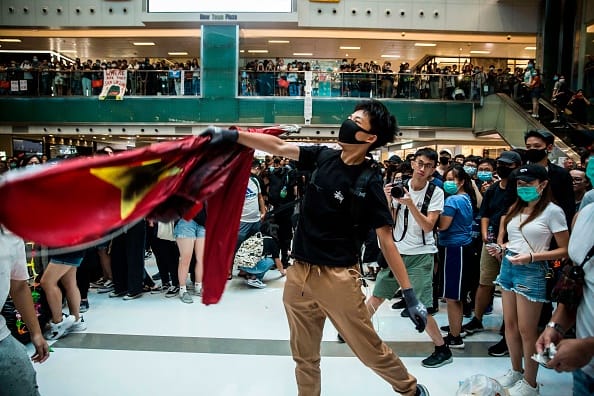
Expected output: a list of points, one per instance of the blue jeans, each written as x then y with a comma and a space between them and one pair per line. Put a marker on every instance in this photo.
583, 384
246, 230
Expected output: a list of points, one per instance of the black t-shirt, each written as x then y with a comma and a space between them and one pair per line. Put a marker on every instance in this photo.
495, 204
325, 230
271, 248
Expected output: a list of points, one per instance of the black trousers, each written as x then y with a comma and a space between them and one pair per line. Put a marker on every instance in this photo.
127, 259
167, 258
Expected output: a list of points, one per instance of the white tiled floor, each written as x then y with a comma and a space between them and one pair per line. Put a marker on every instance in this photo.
243, 313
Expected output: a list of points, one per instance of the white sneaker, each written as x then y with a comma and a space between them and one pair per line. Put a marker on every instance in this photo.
510, 378
257, 283
78, 325
59, 330
523, 388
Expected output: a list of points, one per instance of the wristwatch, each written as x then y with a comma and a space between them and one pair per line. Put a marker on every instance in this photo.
557, 327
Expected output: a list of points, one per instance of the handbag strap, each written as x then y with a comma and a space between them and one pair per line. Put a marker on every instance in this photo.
588, 256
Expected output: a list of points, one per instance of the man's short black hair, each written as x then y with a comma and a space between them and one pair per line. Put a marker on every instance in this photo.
383, 123
427, 152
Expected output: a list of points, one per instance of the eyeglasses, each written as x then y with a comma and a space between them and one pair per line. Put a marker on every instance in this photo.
424, 165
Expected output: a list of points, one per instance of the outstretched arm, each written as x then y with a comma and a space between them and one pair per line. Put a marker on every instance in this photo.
268, 143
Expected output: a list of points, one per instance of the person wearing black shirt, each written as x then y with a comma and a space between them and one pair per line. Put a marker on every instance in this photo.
495, 203
324, 281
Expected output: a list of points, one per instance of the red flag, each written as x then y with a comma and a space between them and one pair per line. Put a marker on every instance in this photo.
80, 200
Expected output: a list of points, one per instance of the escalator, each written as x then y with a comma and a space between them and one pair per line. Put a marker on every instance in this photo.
500, 114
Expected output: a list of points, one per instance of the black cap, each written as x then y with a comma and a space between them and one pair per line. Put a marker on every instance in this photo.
256, 163
532, 172
510, 157
541, 134
396, 159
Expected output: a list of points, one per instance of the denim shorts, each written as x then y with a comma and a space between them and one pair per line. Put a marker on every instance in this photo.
188, 229
525, 279
72, 259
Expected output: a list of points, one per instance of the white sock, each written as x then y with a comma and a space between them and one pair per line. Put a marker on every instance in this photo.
182, 290
198, 286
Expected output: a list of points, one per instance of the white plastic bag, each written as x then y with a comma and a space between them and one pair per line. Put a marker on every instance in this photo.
481, 385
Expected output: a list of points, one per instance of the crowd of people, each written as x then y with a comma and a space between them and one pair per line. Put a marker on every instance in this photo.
437, 225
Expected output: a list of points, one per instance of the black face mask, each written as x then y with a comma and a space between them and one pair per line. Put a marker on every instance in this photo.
504, 171
444, 160
348, 130
536, 155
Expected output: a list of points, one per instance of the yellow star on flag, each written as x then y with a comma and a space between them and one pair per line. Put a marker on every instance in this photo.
135, 181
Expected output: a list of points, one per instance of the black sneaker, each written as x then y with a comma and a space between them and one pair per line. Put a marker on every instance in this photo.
173, 291
499, 349
399, 304
474, 326
440, 357
421, 390
84, 306
446, 329
454, 342
398, 294
340, 339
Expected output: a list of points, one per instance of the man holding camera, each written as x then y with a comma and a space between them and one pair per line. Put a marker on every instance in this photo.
416, 206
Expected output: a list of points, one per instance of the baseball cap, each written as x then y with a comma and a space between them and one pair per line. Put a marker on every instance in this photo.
532, 172
510, 157
395, 159
541, 134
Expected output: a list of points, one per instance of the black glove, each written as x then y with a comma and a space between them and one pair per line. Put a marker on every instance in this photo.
416, 309
219, 135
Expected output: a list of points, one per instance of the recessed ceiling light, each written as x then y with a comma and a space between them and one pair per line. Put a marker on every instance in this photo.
533, 48
144, 43
389, 56
258, 51
480, 52
302, 54
279, 41
349, 48
425, 45
177, 53
68, 51
5, 40
241, 51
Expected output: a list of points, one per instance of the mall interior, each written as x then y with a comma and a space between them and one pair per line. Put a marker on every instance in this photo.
451, 71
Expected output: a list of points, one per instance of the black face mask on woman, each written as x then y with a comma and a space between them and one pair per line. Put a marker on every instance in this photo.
536, 155
347, 132
504, 172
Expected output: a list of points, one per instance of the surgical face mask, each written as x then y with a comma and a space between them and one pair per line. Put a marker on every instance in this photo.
348, 130
528, 193
555, 78
484, 175
450, 187
271, 169
590, 169
470, 170
562, 80
536, 155
504, 171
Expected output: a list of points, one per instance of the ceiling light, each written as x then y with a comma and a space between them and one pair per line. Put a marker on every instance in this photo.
349, 48
241, 51
530, 48
389, 56
5, 40
480, 52
279, 41
425, 45
146, 43
258, 51
68, 51
302, 54
177, 53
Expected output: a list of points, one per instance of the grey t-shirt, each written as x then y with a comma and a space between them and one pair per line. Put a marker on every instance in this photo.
580, 242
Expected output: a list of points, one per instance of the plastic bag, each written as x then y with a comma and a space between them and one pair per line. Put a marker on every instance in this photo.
481, 385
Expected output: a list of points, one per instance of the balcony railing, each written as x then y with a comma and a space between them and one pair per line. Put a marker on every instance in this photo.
56, 83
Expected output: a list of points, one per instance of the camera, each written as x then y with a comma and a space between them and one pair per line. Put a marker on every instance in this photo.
397, 190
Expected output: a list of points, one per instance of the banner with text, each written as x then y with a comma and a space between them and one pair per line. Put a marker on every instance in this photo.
114, 84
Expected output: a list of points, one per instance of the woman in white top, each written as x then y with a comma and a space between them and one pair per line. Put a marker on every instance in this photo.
530, 224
